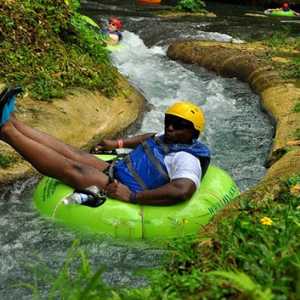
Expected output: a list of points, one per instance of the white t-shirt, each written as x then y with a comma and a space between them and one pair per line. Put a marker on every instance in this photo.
183, 165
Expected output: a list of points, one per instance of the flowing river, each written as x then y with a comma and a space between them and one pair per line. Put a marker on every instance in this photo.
237, 131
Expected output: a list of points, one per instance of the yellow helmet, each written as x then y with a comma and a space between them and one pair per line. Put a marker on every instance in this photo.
188, 111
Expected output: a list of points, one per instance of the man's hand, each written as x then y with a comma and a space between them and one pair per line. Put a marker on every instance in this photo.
118, 190
105, 145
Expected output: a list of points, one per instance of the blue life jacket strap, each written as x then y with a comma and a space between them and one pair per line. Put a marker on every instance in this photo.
155, 161
163, 146
135, 175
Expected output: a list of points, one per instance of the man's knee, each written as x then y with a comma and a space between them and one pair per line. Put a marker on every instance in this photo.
77, 174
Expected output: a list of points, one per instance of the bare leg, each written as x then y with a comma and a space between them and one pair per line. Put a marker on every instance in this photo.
67, 151
51, 163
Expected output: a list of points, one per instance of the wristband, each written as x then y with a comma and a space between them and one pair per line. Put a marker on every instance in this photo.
132, 197
120, 143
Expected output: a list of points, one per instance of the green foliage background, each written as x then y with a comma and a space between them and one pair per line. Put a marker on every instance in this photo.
190, 5
46, 47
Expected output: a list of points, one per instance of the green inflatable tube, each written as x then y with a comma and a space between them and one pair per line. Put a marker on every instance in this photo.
131, 221
280, 13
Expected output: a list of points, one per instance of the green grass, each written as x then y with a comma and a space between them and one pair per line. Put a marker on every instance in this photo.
279, 42
192, 6
6, 160
74, 280
278, 38
46, 47
292, 70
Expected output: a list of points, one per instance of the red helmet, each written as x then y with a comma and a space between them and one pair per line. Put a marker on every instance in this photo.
116, 22
285, 5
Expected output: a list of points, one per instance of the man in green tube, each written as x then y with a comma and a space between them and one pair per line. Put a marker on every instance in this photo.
163, 169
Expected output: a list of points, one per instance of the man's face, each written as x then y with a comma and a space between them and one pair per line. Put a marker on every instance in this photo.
112, 26
178, 130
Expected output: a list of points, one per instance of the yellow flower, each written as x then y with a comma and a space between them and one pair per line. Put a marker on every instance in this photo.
295, 190
266, 221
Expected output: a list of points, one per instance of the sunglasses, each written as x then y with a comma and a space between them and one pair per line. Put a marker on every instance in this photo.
177, 123
112, 23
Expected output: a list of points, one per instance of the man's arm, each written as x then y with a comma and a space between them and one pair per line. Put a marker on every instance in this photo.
176, 191
132, 142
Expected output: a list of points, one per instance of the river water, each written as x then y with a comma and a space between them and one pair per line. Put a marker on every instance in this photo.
238, 132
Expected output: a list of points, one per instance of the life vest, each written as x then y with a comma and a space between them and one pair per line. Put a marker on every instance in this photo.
144, 168
106, 32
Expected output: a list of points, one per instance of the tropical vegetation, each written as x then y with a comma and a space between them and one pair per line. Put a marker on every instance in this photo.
48, 48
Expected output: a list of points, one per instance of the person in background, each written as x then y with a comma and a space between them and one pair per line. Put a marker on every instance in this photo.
285, 6
163, 169
112, 33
